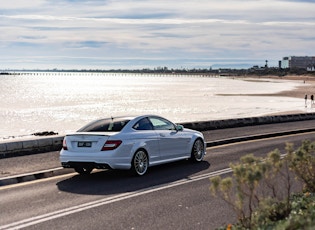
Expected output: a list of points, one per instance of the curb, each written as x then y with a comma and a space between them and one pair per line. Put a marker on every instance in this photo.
256, 137
34, 176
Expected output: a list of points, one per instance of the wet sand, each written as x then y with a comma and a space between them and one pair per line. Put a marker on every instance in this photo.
308, 86
299, 92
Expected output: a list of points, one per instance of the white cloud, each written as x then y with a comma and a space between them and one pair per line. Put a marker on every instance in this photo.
20, 4
154, 30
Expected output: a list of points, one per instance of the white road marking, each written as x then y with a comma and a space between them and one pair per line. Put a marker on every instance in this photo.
78, 208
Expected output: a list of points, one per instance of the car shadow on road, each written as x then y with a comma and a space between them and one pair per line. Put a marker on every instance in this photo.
118, 181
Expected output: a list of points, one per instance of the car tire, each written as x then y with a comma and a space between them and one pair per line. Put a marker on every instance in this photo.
83, 170
140, 163
198, 151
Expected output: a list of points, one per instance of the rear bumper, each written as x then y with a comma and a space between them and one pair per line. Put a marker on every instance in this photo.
72, 164
98, 160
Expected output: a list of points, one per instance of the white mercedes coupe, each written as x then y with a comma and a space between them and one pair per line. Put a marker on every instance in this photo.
130, 143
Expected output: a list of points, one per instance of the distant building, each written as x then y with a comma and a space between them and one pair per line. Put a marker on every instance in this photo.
294, 62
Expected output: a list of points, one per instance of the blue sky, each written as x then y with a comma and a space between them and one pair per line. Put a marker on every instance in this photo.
119, 34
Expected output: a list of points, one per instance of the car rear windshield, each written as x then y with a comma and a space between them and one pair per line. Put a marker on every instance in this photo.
105, 125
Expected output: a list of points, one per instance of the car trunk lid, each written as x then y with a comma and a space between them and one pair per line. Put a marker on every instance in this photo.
86, 142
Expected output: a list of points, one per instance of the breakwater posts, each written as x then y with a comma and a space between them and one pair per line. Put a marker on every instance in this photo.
20, 147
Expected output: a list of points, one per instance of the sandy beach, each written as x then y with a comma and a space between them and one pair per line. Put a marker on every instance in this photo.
308, 86
299, 92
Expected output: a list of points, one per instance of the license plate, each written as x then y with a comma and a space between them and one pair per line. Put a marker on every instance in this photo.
86, 144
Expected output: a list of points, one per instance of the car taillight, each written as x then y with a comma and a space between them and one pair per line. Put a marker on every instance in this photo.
110, 145
64, 144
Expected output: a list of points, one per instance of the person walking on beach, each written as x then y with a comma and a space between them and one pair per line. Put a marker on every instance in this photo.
305, 97
312, 100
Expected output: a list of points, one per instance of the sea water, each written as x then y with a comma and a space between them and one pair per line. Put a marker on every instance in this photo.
63, 102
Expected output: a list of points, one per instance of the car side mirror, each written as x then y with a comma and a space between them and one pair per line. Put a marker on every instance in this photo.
179, 127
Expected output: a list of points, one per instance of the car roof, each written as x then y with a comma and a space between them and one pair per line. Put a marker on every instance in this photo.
132, 117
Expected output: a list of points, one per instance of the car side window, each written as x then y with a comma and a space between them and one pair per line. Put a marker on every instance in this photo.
143, 124
162, 124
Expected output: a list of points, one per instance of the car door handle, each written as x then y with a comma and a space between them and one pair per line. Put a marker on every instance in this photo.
162, 135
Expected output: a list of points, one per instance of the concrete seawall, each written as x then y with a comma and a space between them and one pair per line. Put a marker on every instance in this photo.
249, 121
20, 147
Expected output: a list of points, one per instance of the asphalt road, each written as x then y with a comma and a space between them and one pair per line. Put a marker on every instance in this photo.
172, 196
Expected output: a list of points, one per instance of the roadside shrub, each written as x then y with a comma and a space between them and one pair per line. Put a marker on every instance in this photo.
302, 215
260, 190
253, 180
303, 164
